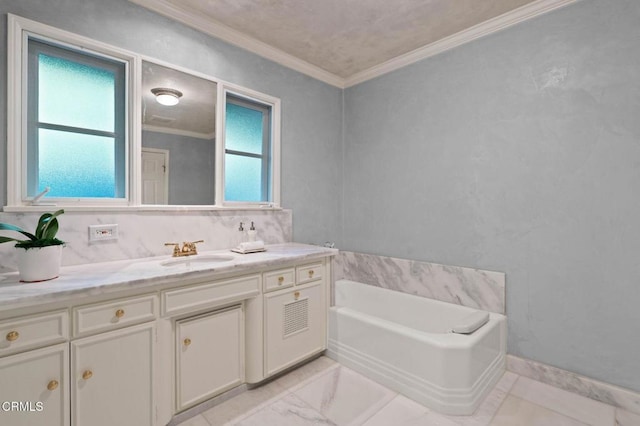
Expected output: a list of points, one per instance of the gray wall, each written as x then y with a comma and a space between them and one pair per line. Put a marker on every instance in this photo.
311, 110
191, 166
519, 152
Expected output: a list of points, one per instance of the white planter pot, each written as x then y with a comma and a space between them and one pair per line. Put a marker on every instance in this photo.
39, 263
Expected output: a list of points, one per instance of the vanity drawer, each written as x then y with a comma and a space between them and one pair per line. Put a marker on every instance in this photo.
308, 273
209, 294
24, 333
111, 315
282, 278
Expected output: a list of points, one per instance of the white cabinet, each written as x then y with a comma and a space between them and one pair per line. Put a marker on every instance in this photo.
294, 325
132, 359
209, 355
34, 387
29, 332
112, 378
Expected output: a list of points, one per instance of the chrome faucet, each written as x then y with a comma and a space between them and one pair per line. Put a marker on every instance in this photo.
188, 248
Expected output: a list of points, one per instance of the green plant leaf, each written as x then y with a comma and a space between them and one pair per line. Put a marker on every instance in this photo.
8, 239
42, 223
39, 243
48, 225
6, 226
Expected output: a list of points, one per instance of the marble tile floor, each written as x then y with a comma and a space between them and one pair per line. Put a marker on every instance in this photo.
323, 392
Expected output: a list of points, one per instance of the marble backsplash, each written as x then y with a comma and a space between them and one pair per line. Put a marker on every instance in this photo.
143, 233
453, 284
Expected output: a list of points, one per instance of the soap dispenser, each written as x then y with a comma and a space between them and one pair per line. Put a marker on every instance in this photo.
242, 238
251, 233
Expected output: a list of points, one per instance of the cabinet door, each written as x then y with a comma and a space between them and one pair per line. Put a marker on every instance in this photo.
112, 377
209, 355
295, 326
34, 387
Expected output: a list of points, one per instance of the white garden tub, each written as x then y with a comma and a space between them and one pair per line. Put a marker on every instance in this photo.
405, 342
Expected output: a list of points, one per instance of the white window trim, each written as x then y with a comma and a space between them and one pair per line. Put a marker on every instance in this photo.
19, 30
275, 104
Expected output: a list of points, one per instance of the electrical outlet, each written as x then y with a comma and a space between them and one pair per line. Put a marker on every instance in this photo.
103, 232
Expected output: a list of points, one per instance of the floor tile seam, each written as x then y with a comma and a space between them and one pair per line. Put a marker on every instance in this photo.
383, 407
555, 411
313, 378
572, 395
312, 408
506, 395
508, 390
258, 407
391, 397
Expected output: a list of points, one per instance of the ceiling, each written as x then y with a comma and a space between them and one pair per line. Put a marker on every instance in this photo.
193, 116
347, 41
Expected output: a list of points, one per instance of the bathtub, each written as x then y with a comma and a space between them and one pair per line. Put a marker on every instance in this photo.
405, 342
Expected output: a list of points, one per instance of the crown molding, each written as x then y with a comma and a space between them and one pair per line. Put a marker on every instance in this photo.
482, 29
223, 32
178, 132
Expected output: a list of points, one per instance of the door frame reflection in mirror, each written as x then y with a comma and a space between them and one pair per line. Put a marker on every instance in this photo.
187, 128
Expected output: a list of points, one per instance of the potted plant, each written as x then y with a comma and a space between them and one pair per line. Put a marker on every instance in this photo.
39, 255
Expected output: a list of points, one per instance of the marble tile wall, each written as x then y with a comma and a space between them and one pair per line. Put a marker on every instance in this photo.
572, 382
143, 233
453, 284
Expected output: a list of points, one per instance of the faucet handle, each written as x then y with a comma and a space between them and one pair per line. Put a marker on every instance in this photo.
176, 248
191, 246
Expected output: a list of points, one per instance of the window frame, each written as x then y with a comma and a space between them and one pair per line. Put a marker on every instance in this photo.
34, 123
273, 180
265, 151
20, 31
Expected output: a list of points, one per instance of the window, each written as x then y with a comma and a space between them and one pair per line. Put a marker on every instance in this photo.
69, 129
76, 142
247, 162
75, 120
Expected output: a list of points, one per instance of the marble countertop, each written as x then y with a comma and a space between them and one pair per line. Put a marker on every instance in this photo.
109, 277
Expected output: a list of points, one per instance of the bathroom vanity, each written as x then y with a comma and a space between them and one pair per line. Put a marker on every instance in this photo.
135, 342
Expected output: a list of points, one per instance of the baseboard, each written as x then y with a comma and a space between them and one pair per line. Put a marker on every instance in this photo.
572, 382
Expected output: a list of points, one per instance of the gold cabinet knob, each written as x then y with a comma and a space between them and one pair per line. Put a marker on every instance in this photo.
280, 280
13, 336
187, 341
296, 295
53, 385
87, 374
119, 313
311, 273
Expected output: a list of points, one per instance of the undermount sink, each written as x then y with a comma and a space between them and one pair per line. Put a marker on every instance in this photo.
210, 259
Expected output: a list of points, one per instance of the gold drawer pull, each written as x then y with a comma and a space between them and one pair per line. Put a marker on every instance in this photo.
53, 385
87, 374
119, 313
187, 341
280, 280
12, 336
311, 273
296, 295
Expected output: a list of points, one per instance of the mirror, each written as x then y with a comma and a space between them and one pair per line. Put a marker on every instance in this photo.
178, 137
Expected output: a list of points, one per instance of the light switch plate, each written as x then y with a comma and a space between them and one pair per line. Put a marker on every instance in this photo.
103, 232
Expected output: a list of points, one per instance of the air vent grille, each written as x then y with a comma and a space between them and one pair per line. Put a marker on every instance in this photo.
296, 316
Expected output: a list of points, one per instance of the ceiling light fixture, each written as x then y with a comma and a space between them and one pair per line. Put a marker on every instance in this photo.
166, 96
